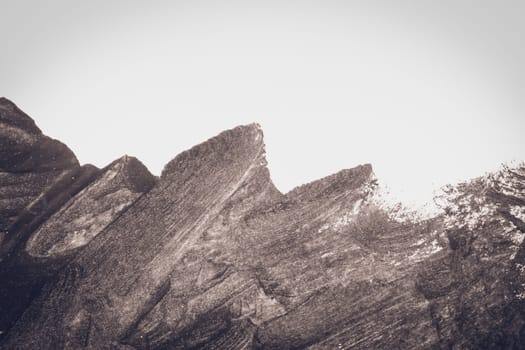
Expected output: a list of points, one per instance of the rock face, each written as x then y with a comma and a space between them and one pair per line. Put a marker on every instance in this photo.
212, 256
477, 291
85, 215
50, 207
29, 163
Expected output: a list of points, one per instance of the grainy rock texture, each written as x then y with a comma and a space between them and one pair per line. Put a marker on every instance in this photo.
212, 256
477, 291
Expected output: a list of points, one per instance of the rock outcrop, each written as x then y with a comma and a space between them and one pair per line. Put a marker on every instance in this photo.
50, 207
212, 256
477, 291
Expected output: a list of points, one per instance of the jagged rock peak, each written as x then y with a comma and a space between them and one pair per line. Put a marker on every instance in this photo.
135, 174
338, 183
85, 215
242, 143
212, 256
477, 290
23, 147
11, 115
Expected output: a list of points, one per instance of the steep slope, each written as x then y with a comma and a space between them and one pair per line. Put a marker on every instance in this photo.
215, 251
477, 291
64, 205
212, 256
37, 175
29, 164
127, 268
85, 215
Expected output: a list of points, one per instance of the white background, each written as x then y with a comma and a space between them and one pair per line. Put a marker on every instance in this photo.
429, 92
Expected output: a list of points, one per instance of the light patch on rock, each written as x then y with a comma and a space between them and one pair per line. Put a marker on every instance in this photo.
256, 305
84, 216
341, 221
426, 251
517, 237
421, 241
92, 225
327, 255
518, 212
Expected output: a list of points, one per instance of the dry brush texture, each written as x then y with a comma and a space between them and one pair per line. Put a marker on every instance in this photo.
212, 256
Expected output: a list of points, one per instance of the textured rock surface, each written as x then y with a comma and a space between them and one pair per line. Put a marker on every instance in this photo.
477, 291
52, 207
91, 210
211, 255
29, 163
37, 175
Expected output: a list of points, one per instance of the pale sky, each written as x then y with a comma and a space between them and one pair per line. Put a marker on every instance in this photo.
428, 92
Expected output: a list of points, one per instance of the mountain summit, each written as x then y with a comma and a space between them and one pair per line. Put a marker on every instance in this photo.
210, 255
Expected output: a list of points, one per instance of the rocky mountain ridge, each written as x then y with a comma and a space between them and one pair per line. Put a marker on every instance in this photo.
211, 255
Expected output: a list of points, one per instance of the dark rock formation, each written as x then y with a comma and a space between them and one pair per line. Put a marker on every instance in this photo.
477, 291
51, 206
29, 163
212, 256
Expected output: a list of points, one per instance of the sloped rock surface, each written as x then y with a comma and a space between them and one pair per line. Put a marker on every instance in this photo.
23, 146
29, 163
85, 215
51, 199
477, 291
212, 256
37, 175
